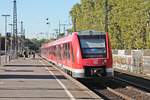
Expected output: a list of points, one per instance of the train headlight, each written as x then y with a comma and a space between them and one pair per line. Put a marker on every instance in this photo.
105, 61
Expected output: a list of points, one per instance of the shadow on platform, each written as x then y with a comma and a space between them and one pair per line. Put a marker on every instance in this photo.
41, 88
27, 65
52, 98
31, 77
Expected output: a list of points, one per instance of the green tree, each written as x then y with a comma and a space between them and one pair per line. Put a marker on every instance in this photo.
129, 21
76, 14
130, 16
98, 15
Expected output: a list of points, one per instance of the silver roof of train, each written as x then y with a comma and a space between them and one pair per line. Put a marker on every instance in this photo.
91, 32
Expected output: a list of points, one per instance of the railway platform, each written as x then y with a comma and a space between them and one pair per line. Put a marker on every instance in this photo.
36, 79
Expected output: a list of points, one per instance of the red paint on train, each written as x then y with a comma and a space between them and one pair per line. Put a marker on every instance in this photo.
83, 54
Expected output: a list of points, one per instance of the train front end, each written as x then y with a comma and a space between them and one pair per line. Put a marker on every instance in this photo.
96, 54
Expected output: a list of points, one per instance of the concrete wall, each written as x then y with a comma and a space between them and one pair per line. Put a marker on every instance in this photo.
127, 60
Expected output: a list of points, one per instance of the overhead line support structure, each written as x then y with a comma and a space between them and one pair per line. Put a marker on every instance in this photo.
15, 32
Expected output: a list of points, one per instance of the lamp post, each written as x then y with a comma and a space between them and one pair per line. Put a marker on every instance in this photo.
59, 27
48, 25
64, 26
0, 49
56, 33
11, 39
5, 16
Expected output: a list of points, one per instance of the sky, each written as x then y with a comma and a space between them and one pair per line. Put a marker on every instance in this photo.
34, 13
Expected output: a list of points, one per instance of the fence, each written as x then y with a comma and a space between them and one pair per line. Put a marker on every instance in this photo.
133, 61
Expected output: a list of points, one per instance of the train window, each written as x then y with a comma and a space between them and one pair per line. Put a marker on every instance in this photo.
72, 53
49, 51
66, 51
63, 52
54, 51
93, 46
59, 52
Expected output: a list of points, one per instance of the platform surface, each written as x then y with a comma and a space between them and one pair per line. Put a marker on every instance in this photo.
35, 79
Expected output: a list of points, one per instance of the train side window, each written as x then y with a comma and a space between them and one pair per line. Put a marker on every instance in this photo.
65, 50
59, 52
68, 51
72, 53
54, 51
50, 51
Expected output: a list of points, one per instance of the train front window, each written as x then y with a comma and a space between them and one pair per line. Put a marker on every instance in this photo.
93, 46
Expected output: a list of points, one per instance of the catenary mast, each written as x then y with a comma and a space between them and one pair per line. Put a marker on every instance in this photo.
15, 34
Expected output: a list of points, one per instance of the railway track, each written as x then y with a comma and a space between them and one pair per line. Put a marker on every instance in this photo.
116, 89
141, 83
120, 87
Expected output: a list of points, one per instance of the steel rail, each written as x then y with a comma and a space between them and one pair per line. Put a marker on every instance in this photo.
134, 84
119, 94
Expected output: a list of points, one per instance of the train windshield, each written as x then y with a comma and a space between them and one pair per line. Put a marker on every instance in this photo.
93, 46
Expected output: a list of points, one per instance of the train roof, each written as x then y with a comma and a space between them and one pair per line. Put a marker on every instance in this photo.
90, 32
69, 37
59, 41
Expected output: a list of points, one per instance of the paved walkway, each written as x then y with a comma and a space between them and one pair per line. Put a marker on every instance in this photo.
35, 79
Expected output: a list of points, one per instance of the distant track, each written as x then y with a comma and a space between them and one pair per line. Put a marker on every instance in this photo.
138, 82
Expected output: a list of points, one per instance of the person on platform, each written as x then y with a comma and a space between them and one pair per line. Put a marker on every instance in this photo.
24, 54
33, 54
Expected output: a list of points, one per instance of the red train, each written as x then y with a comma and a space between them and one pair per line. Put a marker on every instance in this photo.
83, 54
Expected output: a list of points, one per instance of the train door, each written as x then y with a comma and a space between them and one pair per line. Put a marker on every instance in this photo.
69, 60
72, 59
71, 55
54, 57
68, 54
58, 54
